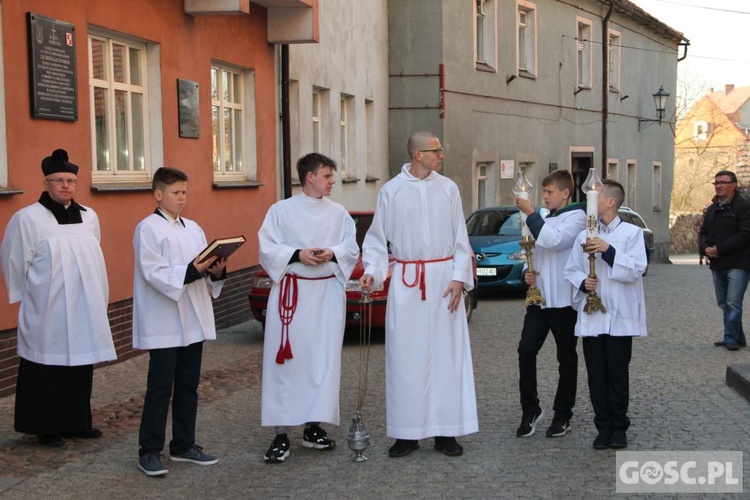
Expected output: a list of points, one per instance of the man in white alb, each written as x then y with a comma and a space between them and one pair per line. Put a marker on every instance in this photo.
53, 264
429, 374
308, 248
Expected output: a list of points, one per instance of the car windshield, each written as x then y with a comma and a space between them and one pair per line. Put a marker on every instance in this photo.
495, 222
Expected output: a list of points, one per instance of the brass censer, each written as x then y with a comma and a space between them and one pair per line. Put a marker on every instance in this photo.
358, 438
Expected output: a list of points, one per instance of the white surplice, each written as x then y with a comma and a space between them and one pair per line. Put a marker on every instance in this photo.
57, 271
620, 286
306, 388
166, 311
429, 374
551, 252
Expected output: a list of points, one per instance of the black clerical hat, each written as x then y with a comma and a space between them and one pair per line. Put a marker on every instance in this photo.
58, 162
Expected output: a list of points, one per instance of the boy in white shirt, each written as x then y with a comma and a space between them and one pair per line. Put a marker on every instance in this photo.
554, 237
172, 316
608, 336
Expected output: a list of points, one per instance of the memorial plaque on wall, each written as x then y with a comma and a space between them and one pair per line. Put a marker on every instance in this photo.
52, 64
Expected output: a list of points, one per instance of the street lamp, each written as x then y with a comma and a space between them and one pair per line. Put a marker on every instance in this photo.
660, 101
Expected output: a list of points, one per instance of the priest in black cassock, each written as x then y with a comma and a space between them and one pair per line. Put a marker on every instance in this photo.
53, 264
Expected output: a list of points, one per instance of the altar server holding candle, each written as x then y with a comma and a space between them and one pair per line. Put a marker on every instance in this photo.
554, 236
620, 261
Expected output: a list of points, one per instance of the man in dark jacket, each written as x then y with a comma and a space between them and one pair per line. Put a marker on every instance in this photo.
725, 240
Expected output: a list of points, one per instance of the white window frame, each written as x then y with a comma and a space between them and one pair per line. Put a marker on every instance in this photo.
482, 173
145, 89
700, 130
317, 120
613, 168
526, 46
240, 163
369, 138
614, 45
344, 136
584, 53
656, 184
631, 183
485, 40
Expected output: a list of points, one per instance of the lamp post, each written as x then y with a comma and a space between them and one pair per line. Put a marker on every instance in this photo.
660, 102
523, 189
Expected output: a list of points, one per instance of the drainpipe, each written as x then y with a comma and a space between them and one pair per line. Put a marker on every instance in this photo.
286, 148
605, 85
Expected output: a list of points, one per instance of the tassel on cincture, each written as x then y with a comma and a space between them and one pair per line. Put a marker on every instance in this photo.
280, 356
288, 350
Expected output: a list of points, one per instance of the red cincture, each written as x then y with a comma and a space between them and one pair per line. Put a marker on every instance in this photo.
288, 293
418, 273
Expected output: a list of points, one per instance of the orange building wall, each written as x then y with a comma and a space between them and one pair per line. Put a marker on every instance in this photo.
188, 45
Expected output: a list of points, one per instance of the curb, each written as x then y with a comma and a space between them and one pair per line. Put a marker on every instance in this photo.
738, 378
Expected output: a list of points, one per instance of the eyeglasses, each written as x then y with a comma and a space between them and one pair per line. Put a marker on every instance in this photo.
437, 151
722, 183
59, 181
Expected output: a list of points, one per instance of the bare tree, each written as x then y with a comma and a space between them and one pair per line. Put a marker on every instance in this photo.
700, 149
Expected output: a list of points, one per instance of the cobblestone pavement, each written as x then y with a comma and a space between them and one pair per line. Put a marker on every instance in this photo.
679, 401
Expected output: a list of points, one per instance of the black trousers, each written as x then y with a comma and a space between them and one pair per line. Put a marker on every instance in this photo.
607, 363
173, 373
53, 399
536, 325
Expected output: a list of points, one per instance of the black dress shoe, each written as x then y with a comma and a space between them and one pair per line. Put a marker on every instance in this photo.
720, 343
602, 440
403, 447
92, 433
733, 347
619, 440
449, 446
50, 439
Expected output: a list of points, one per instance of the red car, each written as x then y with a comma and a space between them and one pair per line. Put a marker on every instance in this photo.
262, 286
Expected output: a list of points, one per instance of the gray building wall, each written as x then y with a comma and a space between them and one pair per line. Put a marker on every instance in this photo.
350, 60
493, 113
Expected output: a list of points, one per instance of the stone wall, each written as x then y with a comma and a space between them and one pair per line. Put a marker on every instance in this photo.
683, 232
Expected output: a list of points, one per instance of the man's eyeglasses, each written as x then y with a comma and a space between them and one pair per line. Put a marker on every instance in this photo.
437, 151
59, 180
722, 183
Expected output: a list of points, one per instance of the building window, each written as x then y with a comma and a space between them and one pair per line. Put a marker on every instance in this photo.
700, 131
119, 115
630, 184
485, 34
316, 121
656, 187
612, 169
233, 123
347, 121
370, 137
613, 59
526, 49
482, 169
585, 54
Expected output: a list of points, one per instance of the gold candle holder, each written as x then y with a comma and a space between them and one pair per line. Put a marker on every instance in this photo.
533, 294
593, 301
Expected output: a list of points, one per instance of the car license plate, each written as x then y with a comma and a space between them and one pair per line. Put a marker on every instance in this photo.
486, 271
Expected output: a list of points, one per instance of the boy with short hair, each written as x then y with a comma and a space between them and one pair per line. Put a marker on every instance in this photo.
554, 237
309, 248
608, 336
172, 316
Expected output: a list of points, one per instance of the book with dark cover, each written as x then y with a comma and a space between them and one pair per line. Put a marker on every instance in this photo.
222, 248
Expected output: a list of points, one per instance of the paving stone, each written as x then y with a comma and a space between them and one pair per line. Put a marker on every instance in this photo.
679, 401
